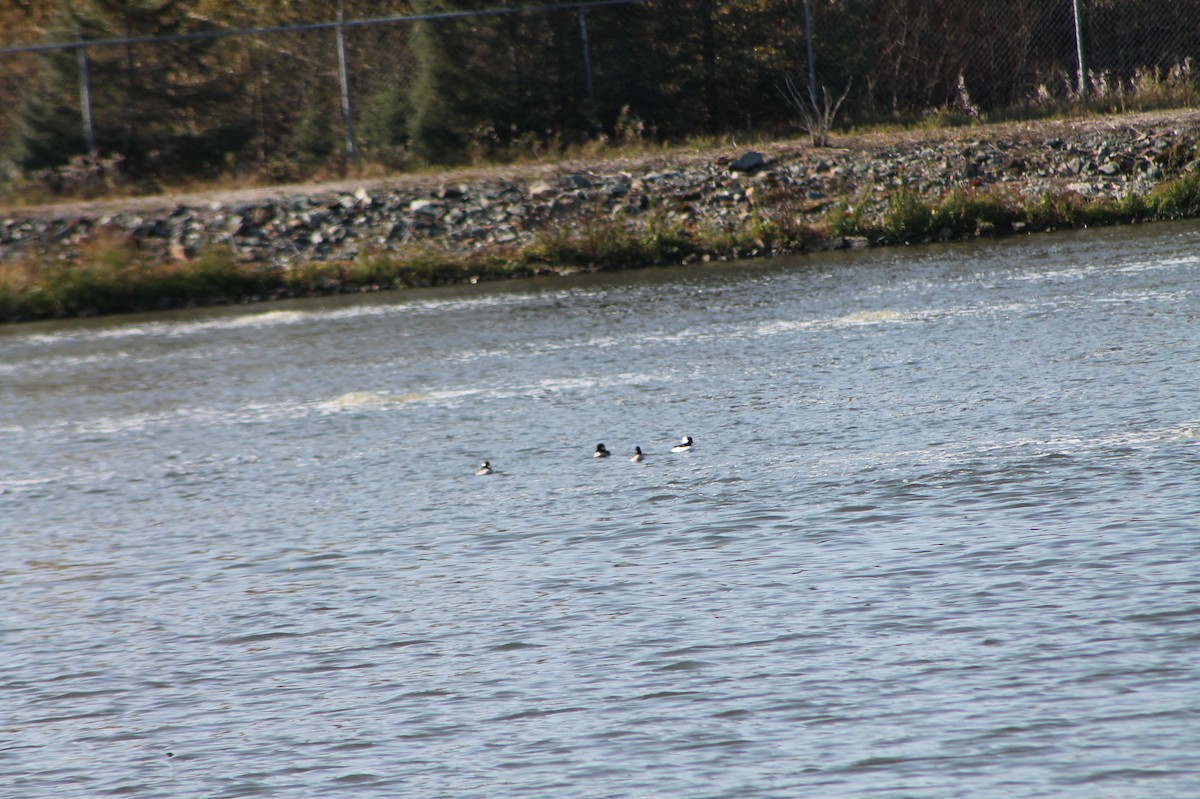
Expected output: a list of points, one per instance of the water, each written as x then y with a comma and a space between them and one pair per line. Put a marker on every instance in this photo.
938, 536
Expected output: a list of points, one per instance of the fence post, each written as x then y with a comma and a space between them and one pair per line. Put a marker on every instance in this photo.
85, 99
1083, 80
344, 80
587, 62
812, 67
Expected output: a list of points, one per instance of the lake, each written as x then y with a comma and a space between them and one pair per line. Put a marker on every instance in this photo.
938, 535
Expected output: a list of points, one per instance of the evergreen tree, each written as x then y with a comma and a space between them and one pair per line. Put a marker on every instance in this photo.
452, 97
493, 79
311, 139
158, 105
384, 120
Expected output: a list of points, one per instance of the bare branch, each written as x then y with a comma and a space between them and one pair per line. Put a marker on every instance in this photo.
816, 119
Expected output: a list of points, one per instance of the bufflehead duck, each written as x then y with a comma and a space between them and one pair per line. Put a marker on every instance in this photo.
601, 452
683, 446
484, 468
637, 455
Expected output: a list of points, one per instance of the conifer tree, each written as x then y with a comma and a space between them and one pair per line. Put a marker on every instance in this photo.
158, 105
383, 126
460, 84
493, 79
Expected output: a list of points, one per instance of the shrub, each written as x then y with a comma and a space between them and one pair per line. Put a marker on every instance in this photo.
665, 239
964, 212
908, 216
845, 219
384, 126
601, 242
1053, 210
1177, 198
311, 139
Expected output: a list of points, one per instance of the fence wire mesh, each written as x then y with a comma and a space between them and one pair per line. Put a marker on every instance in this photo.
662, 67
917, 55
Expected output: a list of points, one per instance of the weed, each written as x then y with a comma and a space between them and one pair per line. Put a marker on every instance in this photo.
111, 274
600, 242
965, 212
664, 239
717, 239
907, 217
785, 207
426, 266
1176, 198
845, 218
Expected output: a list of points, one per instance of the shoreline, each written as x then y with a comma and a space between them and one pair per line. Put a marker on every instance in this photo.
872, 189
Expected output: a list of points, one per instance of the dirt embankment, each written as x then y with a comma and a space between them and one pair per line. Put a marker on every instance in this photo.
470, 210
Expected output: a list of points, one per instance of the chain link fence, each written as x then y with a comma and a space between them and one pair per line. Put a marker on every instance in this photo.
276, 89
990, 55
272, 90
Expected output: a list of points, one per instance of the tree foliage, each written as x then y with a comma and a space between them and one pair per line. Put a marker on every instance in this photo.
160, 106
446, 88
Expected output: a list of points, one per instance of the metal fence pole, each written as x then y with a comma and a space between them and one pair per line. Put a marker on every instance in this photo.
340, 25
812, 67
85, 101
587, 61
1083, 80
344, 80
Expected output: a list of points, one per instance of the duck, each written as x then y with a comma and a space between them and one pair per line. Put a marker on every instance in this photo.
683, 446
637, 455
601, 452
485, 468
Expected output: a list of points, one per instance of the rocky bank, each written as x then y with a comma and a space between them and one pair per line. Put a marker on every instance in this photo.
505, 206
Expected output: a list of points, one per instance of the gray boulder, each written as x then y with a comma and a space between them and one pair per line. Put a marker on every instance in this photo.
748, 162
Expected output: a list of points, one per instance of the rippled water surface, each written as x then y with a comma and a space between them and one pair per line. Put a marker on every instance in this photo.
938, 536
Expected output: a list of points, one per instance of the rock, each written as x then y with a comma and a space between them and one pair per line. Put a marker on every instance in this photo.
150, 228
1014, 166
427, 208
240, 226
748, 162
468, 213
314, 219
